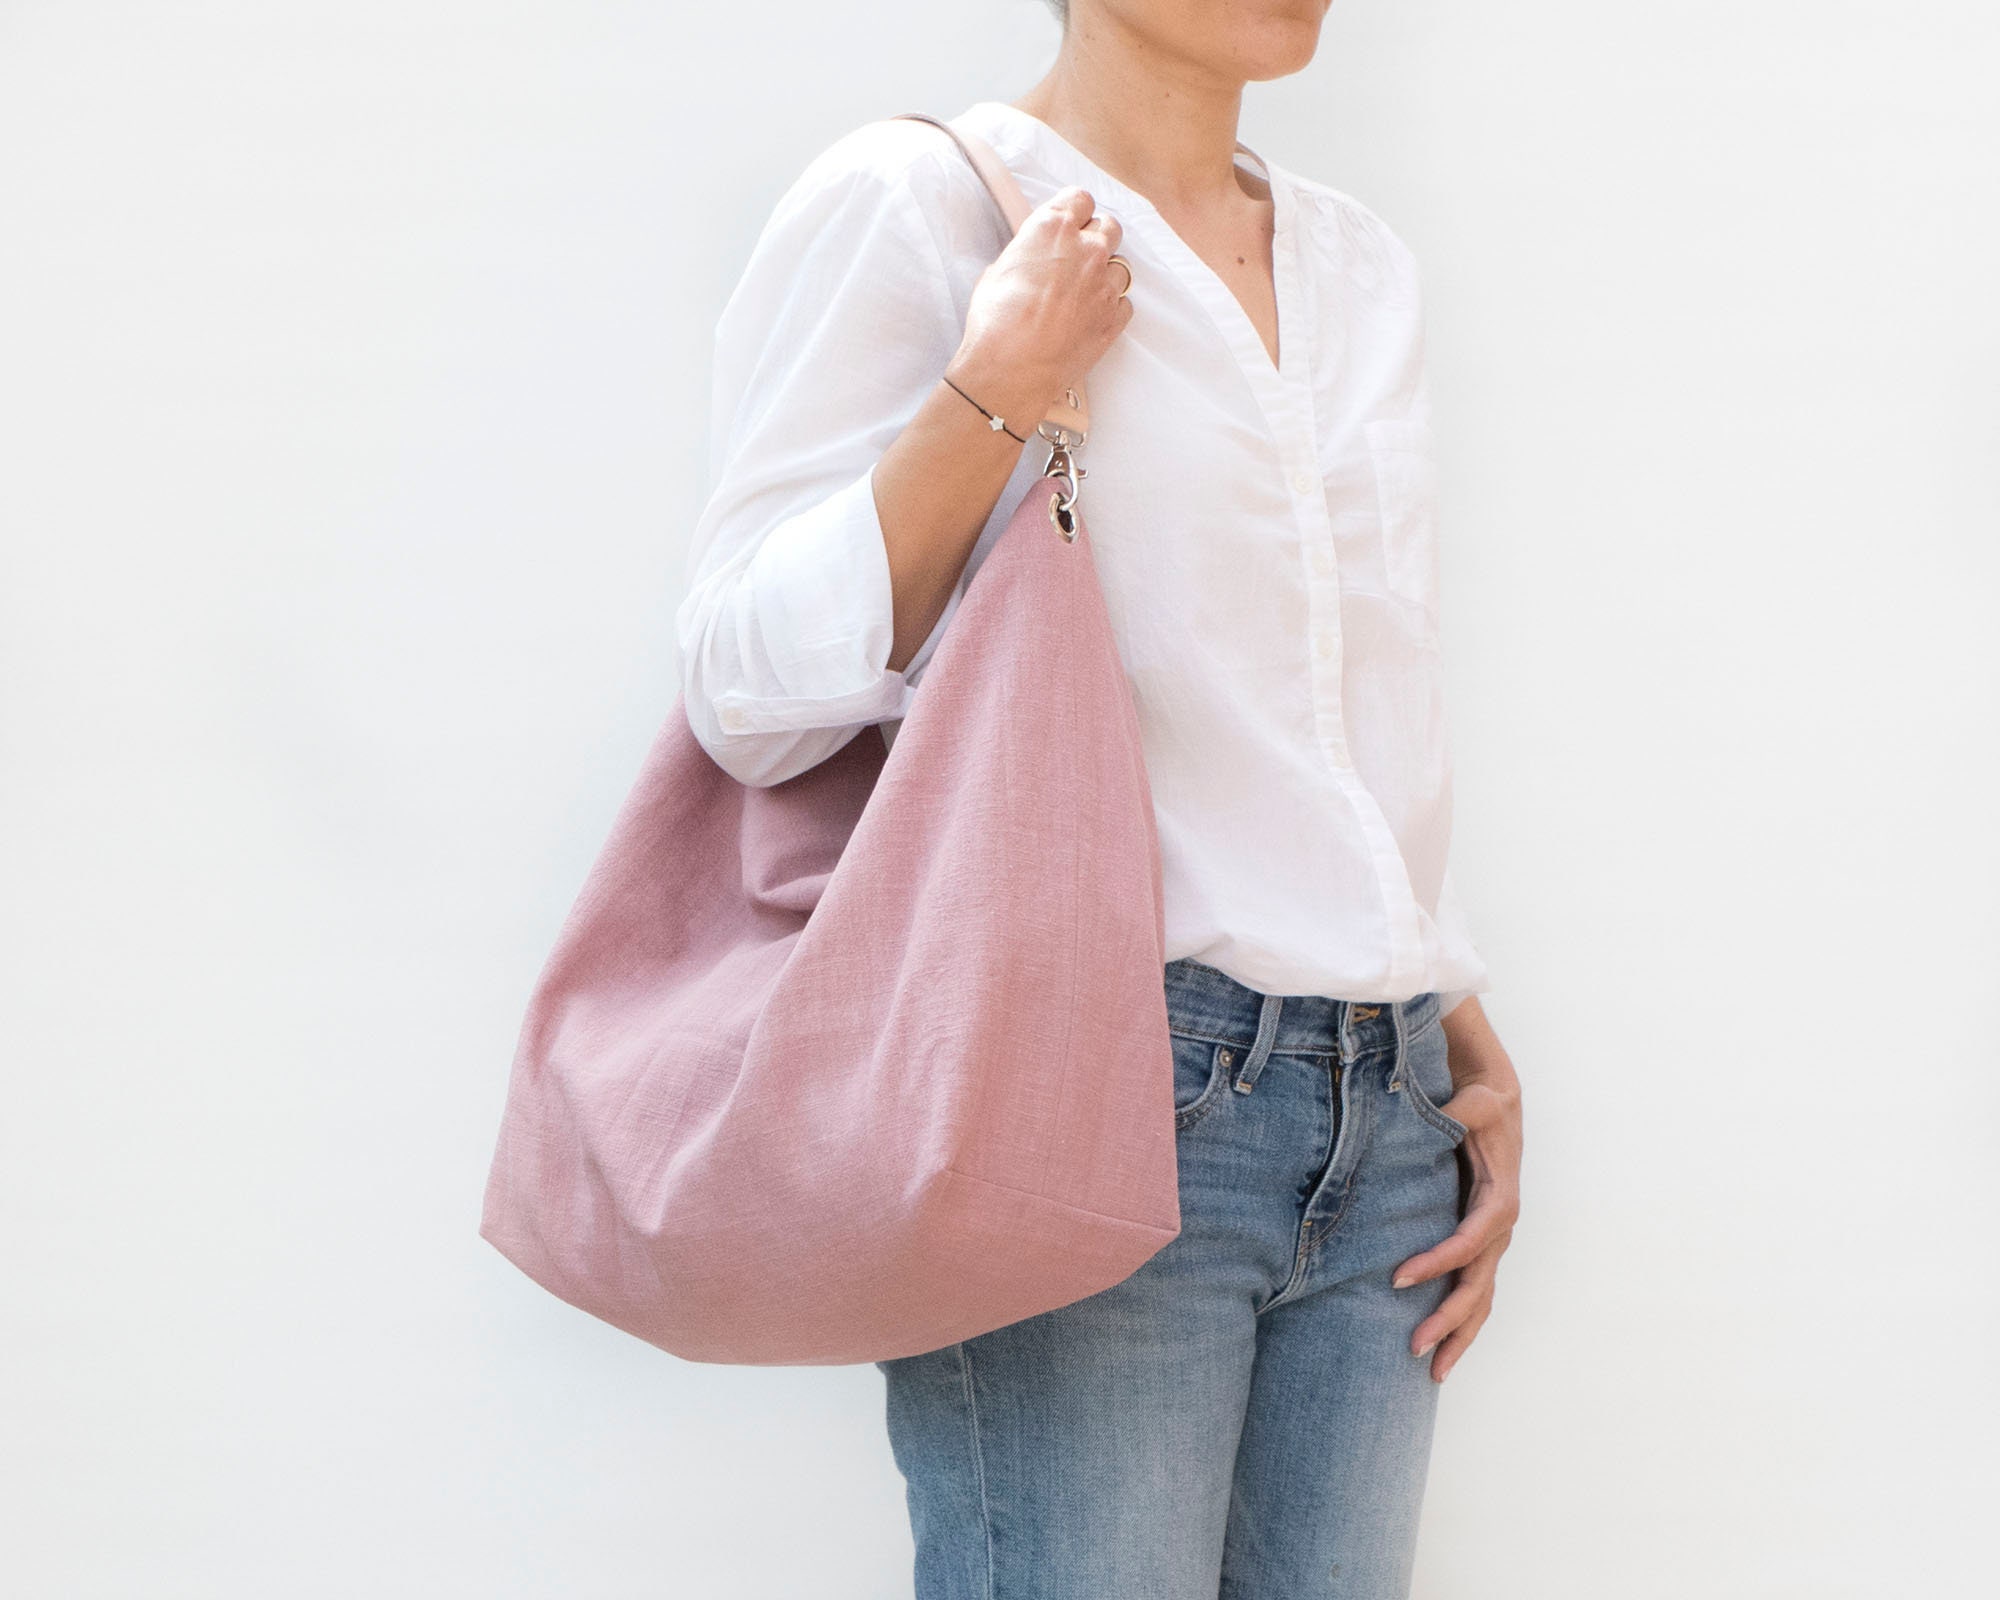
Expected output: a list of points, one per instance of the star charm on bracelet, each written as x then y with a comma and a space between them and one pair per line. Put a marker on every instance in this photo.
997, 424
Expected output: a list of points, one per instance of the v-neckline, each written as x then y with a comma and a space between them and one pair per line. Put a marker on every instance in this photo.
1231, 317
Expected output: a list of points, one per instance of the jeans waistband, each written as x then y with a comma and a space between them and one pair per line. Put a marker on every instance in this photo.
1204, 1002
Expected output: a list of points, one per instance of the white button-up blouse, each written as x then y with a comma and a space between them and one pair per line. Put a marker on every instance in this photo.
1265, 537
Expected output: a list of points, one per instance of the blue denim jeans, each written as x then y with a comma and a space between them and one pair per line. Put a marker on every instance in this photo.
1241, 1418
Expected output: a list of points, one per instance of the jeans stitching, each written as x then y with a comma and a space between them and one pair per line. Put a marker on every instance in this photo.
1176, 1031
1421, 1102
1450, 1127
978, 1460
1187, 1116
1332, 1223
1304, 1258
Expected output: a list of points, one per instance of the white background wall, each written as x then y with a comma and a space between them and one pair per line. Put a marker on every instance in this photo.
353, 379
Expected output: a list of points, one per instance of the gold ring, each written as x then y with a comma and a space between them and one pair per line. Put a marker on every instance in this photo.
1122, 293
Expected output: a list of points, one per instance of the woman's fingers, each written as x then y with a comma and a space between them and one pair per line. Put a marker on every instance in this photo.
1457, 1320
1102, 234
1492, 1149
1070, 206
1052, 302
1104, 228
1472, 1288
1488, 1222
1456, 1343
1486, 1098
1099, 232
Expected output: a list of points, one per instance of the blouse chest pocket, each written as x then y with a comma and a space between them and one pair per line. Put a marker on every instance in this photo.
1406, 485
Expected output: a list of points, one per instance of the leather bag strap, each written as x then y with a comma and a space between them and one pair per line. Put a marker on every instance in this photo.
1071, 414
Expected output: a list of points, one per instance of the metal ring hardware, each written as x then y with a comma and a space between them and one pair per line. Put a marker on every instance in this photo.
1062, 465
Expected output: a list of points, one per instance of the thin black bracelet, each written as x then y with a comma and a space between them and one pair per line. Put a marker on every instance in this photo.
996, 423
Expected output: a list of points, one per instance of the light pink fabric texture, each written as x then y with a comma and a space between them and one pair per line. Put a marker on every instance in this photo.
874, 1059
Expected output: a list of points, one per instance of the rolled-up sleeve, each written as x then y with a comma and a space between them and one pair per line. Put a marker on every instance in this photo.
843, 320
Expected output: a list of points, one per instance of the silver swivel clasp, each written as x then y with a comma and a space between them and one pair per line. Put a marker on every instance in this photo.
1062, 465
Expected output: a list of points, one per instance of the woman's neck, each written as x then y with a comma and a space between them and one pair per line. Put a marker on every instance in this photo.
1173, 142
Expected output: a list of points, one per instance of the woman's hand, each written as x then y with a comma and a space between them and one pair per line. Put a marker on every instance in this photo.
1486, 1097
1044, 310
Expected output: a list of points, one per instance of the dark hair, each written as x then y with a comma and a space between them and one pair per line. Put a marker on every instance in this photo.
1061, 9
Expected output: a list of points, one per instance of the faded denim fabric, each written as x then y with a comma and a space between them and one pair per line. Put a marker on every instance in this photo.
1241, 1418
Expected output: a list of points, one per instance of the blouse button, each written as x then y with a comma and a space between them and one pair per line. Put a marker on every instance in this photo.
733, 719
1302, 482
1322, 645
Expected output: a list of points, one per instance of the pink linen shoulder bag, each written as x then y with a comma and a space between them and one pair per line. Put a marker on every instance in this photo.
875, 1059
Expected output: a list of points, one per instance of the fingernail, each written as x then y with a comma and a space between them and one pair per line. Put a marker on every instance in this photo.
1405, 1281
1427, 1349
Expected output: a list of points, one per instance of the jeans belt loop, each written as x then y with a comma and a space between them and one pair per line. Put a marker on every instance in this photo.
1260, 1052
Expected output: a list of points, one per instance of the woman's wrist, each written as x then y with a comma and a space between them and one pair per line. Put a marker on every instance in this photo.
998, 389
1473, 1047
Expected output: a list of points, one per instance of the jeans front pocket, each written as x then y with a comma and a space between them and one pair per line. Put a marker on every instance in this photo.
1426, 1078
1406, 491
1201, 1068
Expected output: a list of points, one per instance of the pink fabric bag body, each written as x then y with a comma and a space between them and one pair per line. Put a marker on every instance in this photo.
875, 1059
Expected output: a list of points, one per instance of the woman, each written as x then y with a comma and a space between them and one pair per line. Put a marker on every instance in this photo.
1250, 1413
